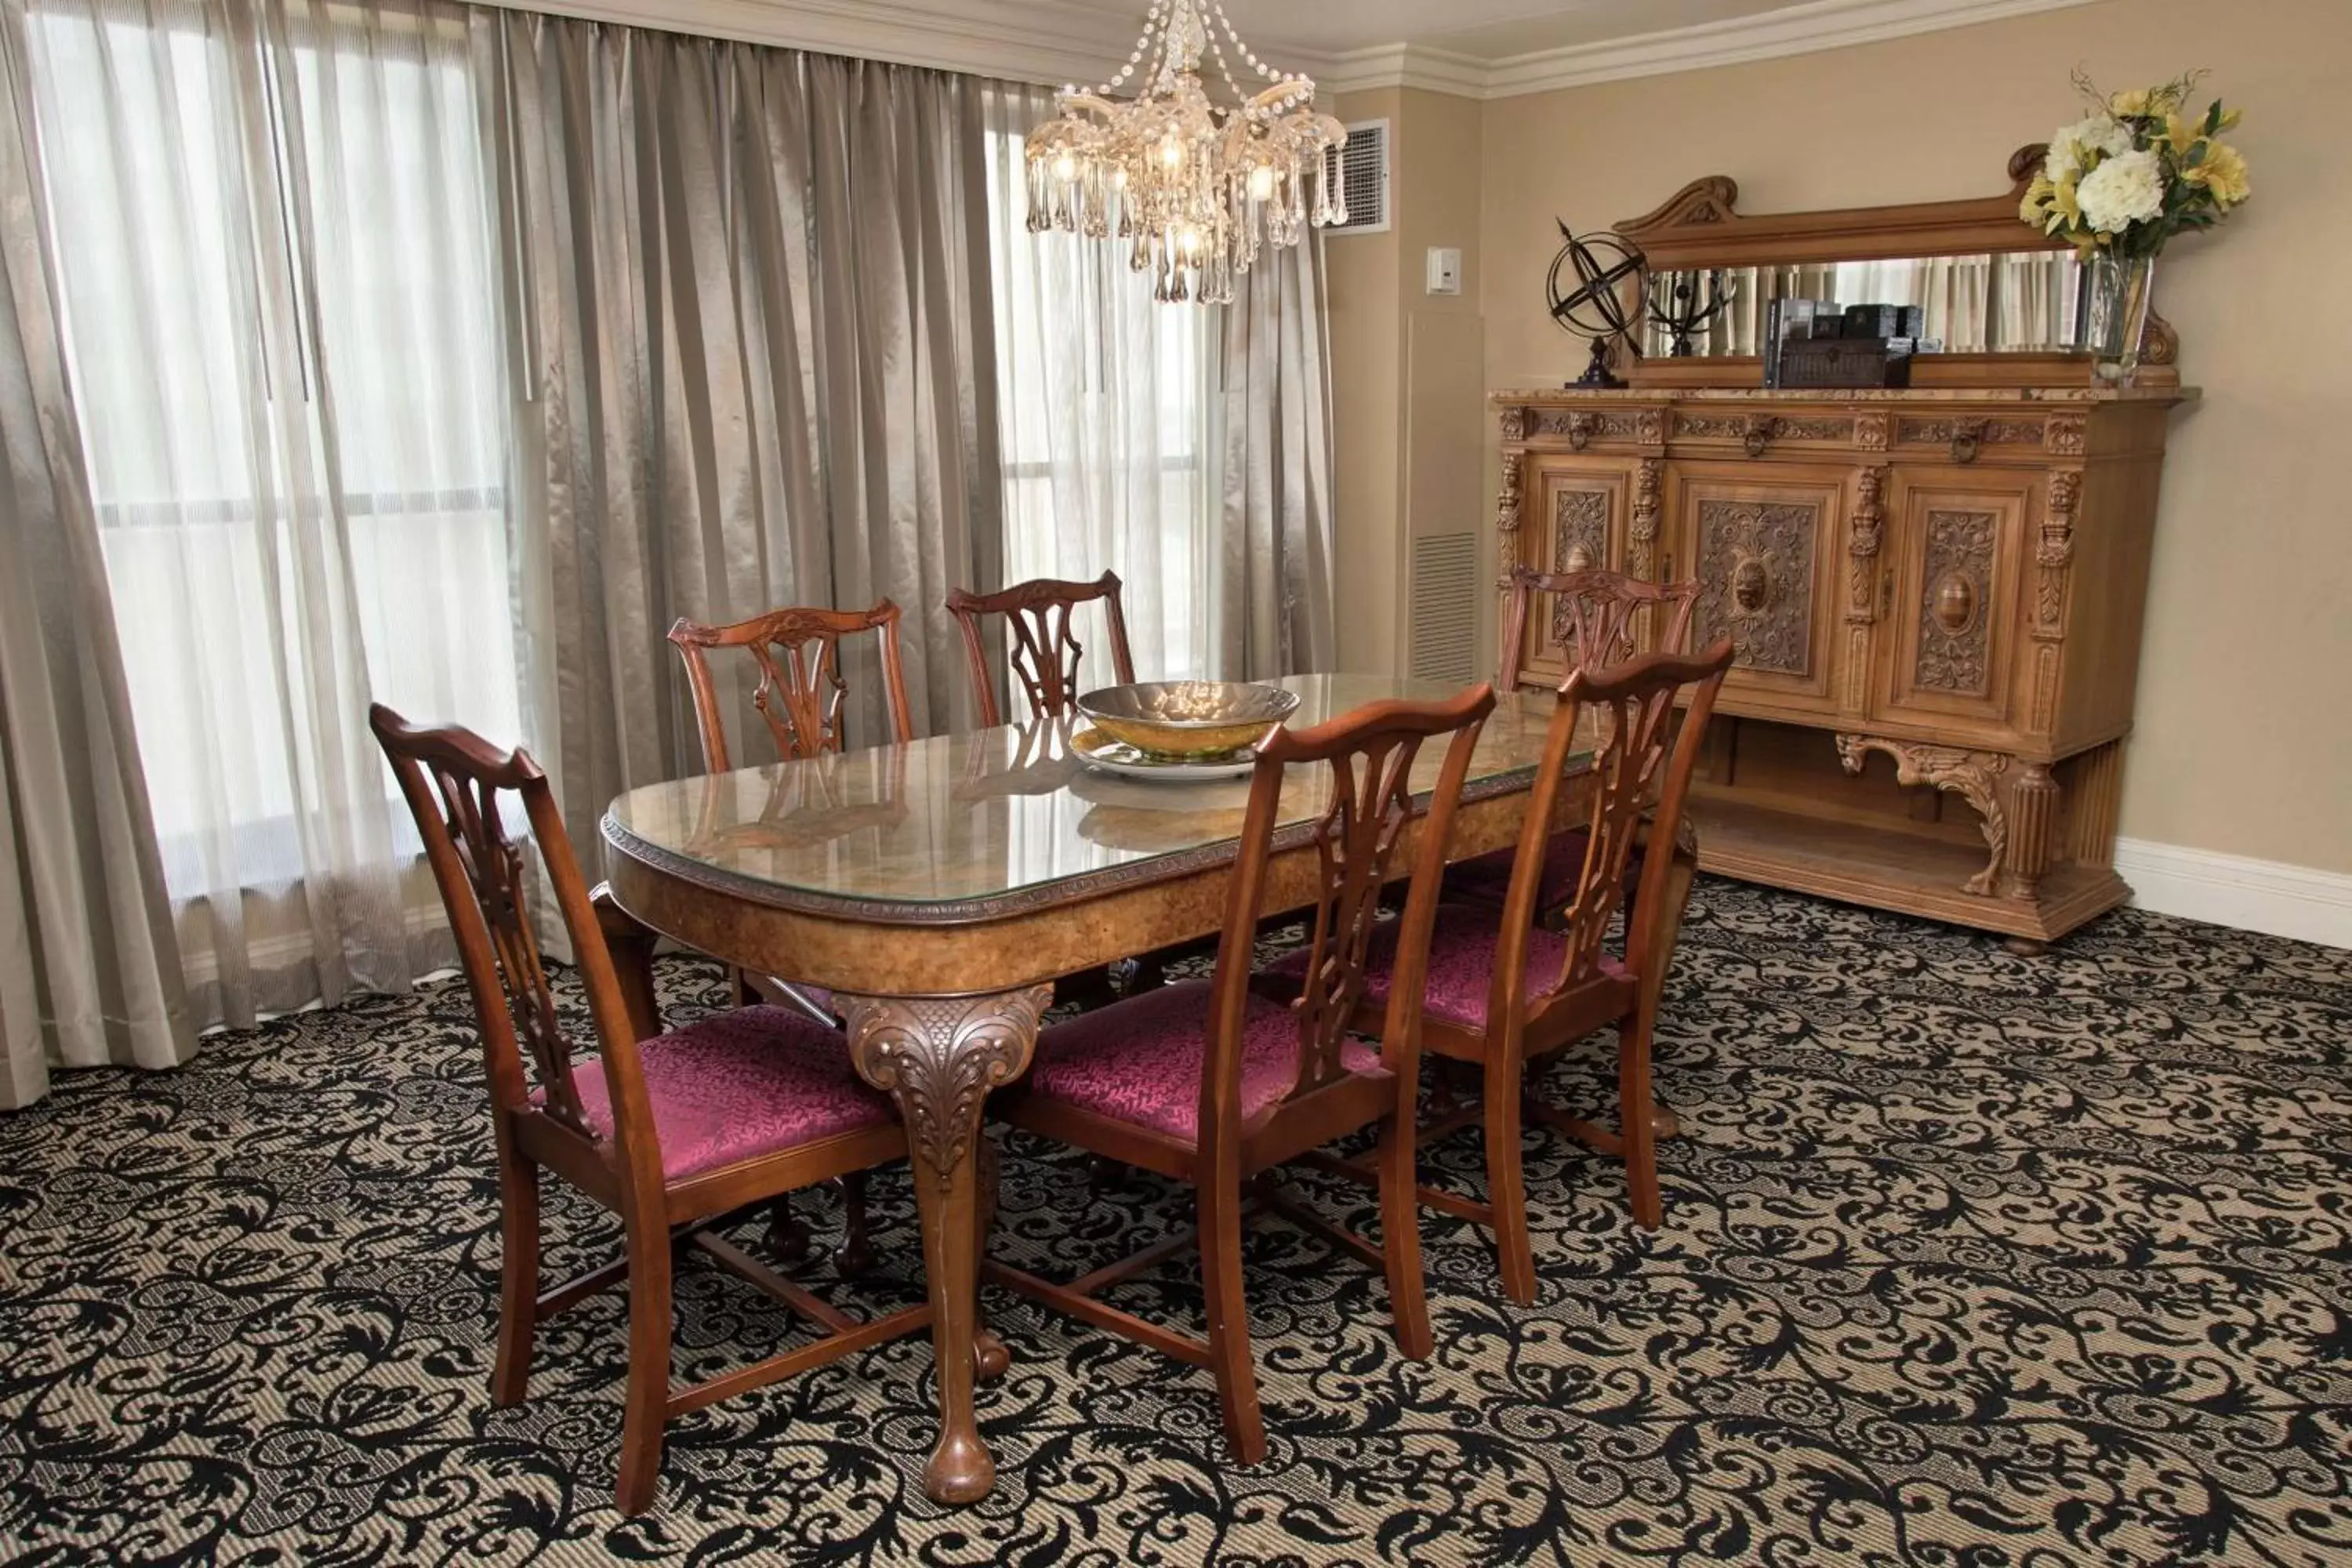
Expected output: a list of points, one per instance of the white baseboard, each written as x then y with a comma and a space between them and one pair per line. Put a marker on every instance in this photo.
2235, 890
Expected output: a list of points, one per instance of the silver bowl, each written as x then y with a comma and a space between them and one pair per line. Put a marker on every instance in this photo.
1187, 718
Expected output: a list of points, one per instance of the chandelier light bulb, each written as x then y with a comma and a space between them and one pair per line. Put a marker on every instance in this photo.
1066, 167
1172, 152
1261, 182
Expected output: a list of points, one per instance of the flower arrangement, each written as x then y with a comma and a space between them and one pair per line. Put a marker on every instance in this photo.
2135, 171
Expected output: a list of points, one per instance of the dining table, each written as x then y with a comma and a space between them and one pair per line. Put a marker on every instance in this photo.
939, 888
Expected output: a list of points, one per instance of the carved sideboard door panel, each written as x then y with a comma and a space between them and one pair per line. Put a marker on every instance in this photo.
1578, 513
1955, 568
1766, 544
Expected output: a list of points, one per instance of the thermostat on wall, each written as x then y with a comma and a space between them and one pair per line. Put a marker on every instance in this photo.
1444, 269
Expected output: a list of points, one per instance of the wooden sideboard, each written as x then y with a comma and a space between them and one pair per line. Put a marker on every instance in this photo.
1936, 598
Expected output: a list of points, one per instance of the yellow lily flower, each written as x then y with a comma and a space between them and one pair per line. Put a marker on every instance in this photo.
2132, 102
2221, 171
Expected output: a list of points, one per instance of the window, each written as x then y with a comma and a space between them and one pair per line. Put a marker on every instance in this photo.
281, 326
1102, 414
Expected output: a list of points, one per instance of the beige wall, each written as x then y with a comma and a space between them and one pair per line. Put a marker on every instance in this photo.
2244, 738
1407, 369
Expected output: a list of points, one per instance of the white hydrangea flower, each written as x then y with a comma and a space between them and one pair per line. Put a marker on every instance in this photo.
2073, 148
2127, 188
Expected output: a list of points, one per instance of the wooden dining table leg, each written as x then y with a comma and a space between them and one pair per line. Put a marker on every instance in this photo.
938, 1058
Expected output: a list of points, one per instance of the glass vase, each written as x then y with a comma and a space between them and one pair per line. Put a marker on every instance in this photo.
2115, 317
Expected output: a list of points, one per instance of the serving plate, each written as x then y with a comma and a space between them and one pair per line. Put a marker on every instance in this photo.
1100, 750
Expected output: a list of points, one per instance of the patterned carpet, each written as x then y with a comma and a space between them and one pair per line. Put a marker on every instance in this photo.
1969, 1260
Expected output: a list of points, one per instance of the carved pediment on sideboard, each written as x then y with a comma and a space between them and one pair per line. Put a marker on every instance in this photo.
1700, 225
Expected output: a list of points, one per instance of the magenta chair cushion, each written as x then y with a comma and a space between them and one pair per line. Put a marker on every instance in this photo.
1486, 878
1461, 963
1139, 1060
738, 1085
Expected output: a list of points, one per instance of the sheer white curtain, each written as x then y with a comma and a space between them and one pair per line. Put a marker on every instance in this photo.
275, 261
1102, 411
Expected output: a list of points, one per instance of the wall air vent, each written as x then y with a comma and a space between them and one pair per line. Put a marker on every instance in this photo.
1363, 167
1444, 620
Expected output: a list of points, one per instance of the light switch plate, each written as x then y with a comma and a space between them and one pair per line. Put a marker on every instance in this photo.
1444, 269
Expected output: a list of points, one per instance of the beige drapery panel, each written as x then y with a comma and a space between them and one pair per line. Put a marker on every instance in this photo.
1270, 591
89, 972
754, 357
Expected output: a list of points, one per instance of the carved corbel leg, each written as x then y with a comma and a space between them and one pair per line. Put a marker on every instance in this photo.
937, 1058
1974, 776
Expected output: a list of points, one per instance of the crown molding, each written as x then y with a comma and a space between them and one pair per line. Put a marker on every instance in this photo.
1793, 30
1054, 41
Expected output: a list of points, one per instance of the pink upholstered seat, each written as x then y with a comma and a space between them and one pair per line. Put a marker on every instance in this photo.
738, 1085
1461, 963
1486, 878
1139, 1060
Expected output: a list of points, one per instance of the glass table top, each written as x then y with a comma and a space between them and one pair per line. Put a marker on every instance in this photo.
960, 823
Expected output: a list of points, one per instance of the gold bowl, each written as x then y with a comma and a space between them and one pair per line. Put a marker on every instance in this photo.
1187, 718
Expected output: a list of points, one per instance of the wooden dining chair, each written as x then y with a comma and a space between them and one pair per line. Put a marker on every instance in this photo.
671, 1129
1215, 1082
1043, 654
1500, 990
800, 695
1599, 619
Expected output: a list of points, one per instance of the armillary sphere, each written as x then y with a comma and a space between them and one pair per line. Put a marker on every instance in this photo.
1585, 286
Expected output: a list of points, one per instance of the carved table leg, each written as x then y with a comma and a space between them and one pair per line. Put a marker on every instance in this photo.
937, 1058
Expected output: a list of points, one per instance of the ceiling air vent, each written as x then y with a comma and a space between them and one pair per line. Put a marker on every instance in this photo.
1363, 167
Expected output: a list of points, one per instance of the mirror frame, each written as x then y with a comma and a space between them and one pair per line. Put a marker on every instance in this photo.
1700, 226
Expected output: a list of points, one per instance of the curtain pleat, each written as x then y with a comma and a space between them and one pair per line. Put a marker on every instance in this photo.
757, 368
1271, 597
90, 970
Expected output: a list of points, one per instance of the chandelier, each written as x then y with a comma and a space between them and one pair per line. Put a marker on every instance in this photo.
1193, 188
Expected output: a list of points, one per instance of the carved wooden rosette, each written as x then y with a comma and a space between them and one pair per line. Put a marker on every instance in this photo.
1514, 422
1870, 432
2054, 556
1579, 428
1506, 499
1974, 776
939, 1058
1643, 531
2064, 433
1863, 542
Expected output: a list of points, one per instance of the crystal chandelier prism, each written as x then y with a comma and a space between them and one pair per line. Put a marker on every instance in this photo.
1193, 188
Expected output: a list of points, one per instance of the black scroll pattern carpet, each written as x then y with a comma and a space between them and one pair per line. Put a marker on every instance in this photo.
1969, 1260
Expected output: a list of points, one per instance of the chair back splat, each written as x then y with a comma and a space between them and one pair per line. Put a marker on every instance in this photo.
1644, 758
801, 691
1043, 654
1368, 760
455, 782
1597, 618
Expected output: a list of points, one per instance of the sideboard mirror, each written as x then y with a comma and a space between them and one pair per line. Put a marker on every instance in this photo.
2003, 299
